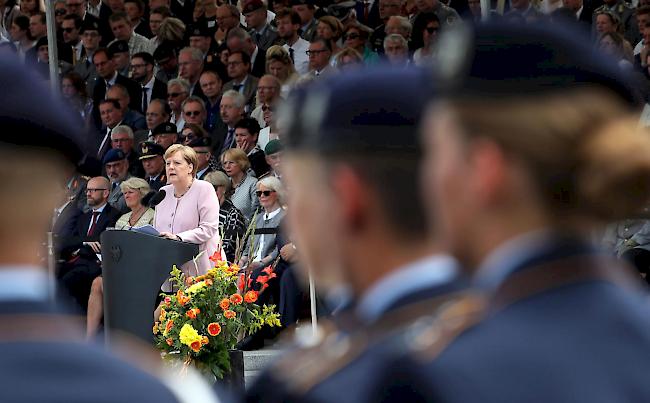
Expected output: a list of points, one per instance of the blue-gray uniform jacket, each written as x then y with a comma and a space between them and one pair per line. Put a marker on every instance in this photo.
564, 324
340, 368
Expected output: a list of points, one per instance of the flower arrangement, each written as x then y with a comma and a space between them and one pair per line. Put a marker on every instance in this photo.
209, 314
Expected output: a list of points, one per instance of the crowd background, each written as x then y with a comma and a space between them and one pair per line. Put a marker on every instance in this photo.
210, 75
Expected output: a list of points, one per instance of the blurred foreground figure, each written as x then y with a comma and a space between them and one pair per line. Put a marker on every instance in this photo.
44, 357
352, 170
534, 143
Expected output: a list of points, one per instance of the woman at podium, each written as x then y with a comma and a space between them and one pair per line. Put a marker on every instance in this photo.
190, 210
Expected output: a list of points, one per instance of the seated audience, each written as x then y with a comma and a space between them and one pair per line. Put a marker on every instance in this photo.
235, 163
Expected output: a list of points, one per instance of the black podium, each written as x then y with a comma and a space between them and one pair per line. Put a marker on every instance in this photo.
134, 266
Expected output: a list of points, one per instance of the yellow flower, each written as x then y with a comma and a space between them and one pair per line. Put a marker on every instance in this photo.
163, 315
189, 335
155, 328
195, 287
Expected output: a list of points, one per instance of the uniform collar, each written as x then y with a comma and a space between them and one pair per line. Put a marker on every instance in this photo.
430, 272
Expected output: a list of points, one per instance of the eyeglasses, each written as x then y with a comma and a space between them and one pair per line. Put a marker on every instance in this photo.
191, 113
60, 11
68, 30
351, 36
315, 52
90, 190
432, 29
265, 193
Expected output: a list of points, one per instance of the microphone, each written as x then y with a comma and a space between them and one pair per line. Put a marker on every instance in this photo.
153, 198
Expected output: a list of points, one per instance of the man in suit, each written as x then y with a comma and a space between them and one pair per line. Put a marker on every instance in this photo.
211, 85
289, 23
134, 119
90, 39
78, 251
232, 111
112, 116
93, 11
320, 54
135, 11
360, 234
157, 113
239, 65
119, 51
368, 12
240, 40
122, 138
142, 66
151, 157
387, 9
263, 34
117, 169
190, 63
107, 76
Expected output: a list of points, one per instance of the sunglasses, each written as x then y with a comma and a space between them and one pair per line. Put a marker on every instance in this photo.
60, 12
265, 193
432, 29
192, 113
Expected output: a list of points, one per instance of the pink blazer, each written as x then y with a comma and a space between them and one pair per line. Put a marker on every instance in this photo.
194, 217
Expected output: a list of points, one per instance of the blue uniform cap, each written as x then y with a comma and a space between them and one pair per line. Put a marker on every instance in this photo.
31, 116
495, 60
365, 111
113, 155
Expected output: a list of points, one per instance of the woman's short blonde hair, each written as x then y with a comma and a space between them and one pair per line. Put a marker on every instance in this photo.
218, 178
138, 184
188, 153
335, 25
237, 155
273, 183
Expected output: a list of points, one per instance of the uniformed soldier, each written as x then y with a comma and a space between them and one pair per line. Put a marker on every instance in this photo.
151, 157
44, 356
625, 13
352, 166
534, 141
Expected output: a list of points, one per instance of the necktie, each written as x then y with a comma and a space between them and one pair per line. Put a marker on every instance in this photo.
113, 186
145, 102
103, 146
237, 87
227, 143
366, 10
291, 55
93, 223
108, 86
258, 38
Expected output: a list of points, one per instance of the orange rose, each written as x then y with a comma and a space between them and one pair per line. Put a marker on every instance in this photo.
229, 314
204, 340
181, 298
193, 312
224, 304
250, 297
196, 346
170, 342
236, 299
214, 329
169, 325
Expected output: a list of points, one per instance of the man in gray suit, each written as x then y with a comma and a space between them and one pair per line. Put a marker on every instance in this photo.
117, 170
263, 34
90, 39
239, 65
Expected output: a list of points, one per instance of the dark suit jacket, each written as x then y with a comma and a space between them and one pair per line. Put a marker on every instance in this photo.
99, 93
258, 68
373, 15
159, 91
104, 26
250, 89
267, 39
135, 120
67, 245
143, 29
218, 137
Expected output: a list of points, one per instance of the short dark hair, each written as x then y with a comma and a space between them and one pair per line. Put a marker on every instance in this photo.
22, 21
245, 57
643, 10
162, 10
77, 20
249, 124
324, 42
138, 3
289, 12
42, 15
101, 50
147, 57
110, 101
120, 15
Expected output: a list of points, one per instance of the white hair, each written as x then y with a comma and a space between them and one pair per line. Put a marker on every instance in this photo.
395, 38
124, 129
237, 98
273, 183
